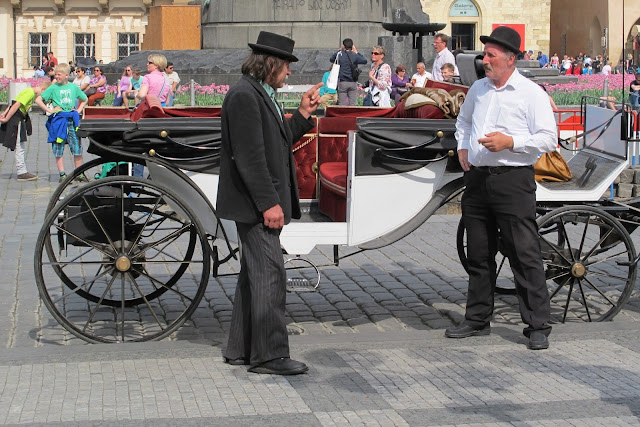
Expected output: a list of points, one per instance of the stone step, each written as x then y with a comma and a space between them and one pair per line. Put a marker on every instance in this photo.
539, 72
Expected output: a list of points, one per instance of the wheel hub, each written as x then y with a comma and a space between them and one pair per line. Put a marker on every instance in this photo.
578, 270
123, 263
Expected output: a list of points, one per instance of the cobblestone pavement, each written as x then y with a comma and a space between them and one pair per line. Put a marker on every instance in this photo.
372, 337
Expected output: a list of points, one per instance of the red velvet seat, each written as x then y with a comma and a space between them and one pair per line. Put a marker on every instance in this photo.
332, 160
333, 190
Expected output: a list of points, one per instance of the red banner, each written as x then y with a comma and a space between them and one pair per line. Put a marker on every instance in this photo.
518, 27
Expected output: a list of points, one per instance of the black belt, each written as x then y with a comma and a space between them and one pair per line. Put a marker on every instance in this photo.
497, 170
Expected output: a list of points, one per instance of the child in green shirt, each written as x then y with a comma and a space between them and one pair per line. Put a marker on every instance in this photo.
64, 118
16, 125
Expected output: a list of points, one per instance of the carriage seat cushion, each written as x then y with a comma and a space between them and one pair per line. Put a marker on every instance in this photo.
333, 176
333, 190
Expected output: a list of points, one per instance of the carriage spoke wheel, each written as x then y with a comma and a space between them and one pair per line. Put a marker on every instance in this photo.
122, 259
91, 170
588, 258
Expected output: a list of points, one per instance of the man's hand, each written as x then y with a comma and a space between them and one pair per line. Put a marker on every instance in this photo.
496, 141
463, 158
273, 217
354, 50
310, 101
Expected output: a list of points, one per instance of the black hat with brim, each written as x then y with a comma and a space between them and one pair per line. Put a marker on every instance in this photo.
274, 44
506, 37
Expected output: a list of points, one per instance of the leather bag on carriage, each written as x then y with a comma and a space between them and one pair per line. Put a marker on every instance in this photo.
551, 167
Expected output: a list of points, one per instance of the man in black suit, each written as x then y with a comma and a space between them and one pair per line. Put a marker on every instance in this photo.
258, 190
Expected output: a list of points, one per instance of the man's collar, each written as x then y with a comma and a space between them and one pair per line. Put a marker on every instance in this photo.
513, 81
270, 91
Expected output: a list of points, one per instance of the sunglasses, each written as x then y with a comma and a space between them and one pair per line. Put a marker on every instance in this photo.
96, 69
376, 53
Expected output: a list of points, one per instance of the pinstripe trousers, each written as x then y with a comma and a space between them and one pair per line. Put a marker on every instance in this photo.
258, 330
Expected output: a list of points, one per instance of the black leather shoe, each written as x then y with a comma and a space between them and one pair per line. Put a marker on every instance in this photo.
238, 361
537, 341
464, 330
282, 366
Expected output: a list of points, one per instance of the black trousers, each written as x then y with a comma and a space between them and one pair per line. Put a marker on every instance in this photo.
505, 202
258, 330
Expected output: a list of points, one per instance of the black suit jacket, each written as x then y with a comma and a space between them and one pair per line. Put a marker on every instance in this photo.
257, 169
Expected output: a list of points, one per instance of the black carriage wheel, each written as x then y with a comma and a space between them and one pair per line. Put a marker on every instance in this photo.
65, 186
461, 246
590, 271
70, 180
124, 240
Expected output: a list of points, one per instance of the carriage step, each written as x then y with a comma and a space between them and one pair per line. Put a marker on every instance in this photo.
296, 282
300, 285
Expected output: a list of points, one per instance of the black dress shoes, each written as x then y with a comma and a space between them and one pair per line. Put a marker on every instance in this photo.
282, 366
537, 341
464, 330
235, 362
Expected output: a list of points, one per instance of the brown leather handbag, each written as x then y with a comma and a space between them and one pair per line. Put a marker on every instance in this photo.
551, 167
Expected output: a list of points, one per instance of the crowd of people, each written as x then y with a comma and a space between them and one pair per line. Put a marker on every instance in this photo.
65, 95
383, 85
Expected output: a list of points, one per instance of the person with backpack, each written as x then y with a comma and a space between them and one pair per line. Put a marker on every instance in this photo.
348, 59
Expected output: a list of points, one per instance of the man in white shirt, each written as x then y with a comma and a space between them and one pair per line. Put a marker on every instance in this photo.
443, 56
420, 78
504, 123
173, 79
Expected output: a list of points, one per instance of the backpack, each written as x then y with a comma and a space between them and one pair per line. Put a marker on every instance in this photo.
355, 71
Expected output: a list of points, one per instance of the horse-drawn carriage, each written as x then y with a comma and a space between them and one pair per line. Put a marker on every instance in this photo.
125, 258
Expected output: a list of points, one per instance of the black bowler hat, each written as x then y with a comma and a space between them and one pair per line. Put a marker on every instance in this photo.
506, 37
274, 44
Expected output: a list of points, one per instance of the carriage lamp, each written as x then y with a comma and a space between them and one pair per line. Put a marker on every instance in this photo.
164, 134
439, 134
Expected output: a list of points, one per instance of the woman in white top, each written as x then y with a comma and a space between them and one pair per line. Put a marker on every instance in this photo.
81, 80
606, 70
380, 78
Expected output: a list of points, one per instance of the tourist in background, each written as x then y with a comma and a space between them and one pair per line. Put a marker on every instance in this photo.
400, 83
420, 77
443, 56
123, 85
97, 86
173, 79
81, 80
327, 95
380, 78
154, 83
136, 81
348, 58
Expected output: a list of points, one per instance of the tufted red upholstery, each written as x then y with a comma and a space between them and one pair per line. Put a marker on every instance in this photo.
332, 158
305, 154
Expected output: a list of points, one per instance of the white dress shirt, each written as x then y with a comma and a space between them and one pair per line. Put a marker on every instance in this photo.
520, 109
443, 57
421, 79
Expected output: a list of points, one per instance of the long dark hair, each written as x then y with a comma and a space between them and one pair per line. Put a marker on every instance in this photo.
262, 66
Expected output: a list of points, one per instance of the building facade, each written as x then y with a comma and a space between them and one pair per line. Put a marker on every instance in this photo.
109, 30
106, 30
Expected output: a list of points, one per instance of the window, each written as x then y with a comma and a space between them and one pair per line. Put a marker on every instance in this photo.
127, 44
84, 45
39, 46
